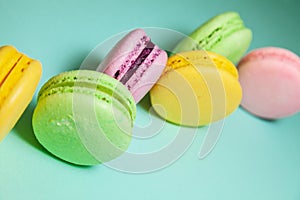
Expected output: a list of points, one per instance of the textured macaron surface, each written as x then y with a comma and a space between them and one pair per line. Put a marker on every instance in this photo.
224, 34
270, 78
84, 117
19, 77
196, 88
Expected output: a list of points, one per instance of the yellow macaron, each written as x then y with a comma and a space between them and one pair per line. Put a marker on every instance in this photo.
196, 88
19, 77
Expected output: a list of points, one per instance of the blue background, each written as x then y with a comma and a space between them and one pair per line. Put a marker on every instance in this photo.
253, 159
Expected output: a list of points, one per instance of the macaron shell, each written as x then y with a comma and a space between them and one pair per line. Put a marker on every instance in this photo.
224, 34
95, 81
127, 49
270, 78
9, 57
195, 94
125, 53
84, 117
202, 35
73, 129
80, 119
17, 89
53, 125
202, 58
111, 136
219, 21
238, 43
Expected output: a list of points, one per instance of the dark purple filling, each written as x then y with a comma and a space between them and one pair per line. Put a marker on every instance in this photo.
140, 59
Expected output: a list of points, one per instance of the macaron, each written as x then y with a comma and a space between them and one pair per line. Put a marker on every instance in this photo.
84, 117
196, 89
19, 77
224, 34
270, 79
136, 62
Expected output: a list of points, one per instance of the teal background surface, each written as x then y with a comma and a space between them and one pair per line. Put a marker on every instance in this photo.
253, 159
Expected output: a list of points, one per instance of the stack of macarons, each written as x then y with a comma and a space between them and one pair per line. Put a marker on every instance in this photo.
86, 117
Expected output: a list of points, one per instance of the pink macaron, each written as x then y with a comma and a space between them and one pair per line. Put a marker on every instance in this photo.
136, 62
270, 79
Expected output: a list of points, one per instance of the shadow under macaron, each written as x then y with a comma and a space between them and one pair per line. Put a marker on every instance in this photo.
269, 120
24, 130
145, 102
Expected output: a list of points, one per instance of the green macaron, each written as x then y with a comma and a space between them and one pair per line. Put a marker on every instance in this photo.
84, 117
224, 34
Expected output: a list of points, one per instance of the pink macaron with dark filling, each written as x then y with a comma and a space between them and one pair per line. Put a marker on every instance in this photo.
270, 79
136, 62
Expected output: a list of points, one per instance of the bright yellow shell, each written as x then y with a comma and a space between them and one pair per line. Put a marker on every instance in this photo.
19, 76
196, 88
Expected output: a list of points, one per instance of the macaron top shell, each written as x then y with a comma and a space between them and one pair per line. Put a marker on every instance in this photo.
201, 58
124, 53
96, 82
270, 78
84, 117
224, 34
196, 88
